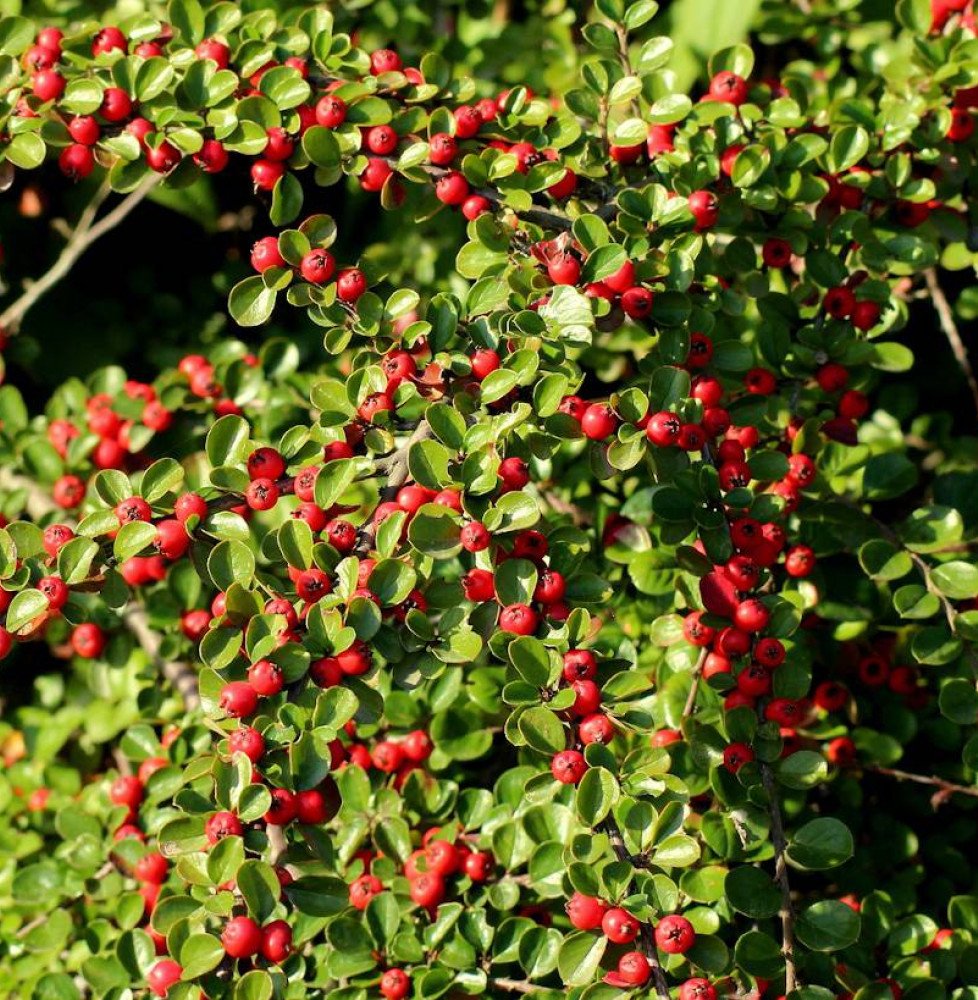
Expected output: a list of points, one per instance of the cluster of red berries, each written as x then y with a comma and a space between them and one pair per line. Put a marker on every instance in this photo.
115, 445
479, 584
579, 671
427, 870
673, 934
203, 383
317, 266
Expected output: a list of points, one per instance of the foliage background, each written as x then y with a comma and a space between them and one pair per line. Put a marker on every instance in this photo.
157, 288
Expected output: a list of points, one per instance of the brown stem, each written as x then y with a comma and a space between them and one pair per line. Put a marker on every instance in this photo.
577, 514
781, 876
181, 676
41, 918
396, 466
695, 686
926, 779
277, 842
513, 985
648, 936
945, 316
84, 235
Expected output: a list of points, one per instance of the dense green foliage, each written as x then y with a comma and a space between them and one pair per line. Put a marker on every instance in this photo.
547, 565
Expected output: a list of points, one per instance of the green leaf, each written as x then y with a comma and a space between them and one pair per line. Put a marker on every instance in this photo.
597, 794
828, 925
579, 957
133, 538
435, 531
752, 891
199, 954
542, 730
187, 18
162, 477
888, 476
227, 441
24, 608
848, 146
16, 35
251, 302
882, 560
259, 885
957, 580
230, 562
820, 844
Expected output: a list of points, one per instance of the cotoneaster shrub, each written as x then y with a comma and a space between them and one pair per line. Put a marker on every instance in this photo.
569, 598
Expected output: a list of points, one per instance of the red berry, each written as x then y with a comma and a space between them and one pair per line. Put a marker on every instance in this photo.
568, 767
48, 85
637, 302
735, 756
84, 129
427, 889
705, 209
674, 935
384, 61
76, 162
484, 362
839, 302
163, 158
238, 699
212, 157
395, 984
663, 429
452, 189
88, 641
564, 269
474, 537
280, 145
351, 283
276, 941
221, 825
619, 926
442, 149
596, 728
265, 173
317, 266
163, 975
126, 790
265, 677
265, 254
865, 315
584, 912
599, 421
241, 937
330, 111
248, 741
634, 968
729, 87
478, 585
519, 619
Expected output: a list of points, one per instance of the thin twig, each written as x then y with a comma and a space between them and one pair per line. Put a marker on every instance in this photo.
781, 876
42, 918
577, 514
181, 676
695, 686
513, 985
945, 316
84, 235
926, 779
648, 935
397, 475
